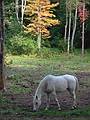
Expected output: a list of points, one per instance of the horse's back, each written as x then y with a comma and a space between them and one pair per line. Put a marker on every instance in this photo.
55, 82
60, 83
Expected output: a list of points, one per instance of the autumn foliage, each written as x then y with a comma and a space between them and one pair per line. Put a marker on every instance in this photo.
83, 14
41, 16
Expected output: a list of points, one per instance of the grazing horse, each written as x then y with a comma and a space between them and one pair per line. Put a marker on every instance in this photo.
52, 85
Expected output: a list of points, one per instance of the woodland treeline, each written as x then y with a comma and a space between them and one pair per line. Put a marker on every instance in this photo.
43, 25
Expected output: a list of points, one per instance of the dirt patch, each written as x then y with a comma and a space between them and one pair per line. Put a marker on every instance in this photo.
83, 94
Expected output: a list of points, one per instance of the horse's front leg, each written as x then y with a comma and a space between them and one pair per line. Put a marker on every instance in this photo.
54, 93
47, 101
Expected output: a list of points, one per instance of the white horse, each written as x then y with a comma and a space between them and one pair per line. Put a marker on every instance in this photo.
52, 85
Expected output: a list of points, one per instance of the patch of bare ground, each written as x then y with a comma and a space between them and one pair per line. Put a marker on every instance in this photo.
83, 94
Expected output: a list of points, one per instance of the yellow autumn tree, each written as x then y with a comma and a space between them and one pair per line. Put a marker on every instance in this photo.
40, 18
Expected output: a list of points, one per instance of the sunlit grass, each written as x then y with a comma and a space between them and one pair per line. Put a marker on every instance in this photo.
55, 65
62, 63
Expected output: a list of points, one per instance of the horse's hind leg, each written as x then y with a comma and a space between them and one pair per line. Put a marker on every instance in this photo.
74, 100
73, 94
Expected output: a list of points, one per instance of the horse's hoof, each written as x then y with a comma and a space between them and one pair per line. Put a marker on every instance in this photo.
34, 110
59, 109
46, 109
73, 107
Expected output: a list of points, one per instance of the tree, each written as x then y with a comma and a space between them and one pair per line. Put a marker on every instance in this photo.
66, 25
83, 14
75, 24
70, 20
20, 8
1, 45
17, 9
83, 27
41, 17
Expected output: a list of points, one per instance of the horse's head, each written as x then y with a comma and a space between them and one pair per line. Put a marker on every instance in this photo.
36, 102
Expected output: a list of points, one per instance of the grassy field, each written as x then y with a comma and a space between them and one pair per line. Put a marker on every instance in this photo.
23, 75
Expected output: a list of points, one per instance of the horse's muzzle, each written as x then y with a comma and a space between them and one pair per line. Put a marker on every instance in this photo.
34, 110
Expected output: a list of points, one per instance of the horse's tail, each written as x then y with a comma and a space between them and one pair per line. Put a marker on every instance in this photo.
77, 84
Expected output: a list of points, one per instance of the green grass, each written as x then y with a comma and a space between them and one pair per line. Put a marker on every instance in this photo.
60, 64
76, 112
26, 70
23, 111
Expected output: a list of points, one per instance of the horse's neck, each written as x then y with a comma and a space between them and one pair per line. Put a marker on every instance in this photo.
39, 92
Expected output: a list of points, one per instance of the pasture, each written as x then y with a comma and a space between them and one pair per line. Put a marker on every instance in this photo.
23, 76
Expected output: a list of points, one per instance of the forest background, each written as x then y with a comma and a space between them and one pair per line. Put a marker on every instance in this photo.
18, 42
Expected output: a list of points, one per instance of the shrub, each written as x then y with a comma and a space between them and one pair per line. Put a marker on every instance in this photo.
48, 52
21, 45
62, 45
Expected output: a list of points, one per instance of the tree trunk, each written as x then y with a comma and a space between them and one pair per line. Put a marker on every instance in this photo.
17, 11
69, 33
1, 44
39, 28
74, 29
83, 27
23, 4
65, 35
39, 40
23, 9
22, 13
